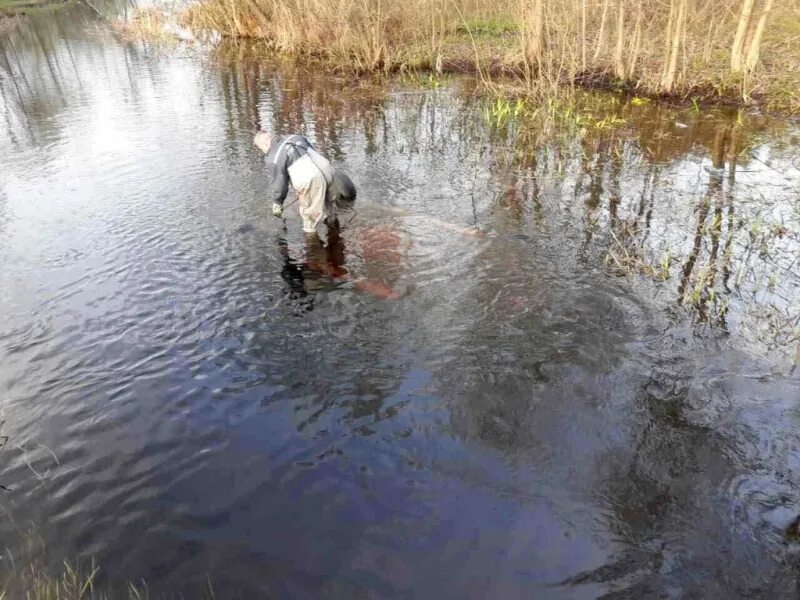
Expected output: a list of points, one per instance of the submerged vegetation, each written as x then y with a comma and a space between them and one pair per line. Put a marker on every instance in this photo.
707, 49
729, 264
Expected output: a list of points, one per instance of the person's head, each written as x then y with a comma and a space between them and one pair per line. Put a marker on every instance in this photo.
263, 141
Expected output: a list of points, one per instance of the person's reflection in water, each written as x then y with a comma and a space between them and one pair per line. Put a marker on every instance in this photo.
327, 259
323, 268
292, 274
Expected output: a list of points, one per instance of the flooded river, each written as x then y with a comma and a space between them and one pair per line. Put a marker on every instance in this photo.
551, 361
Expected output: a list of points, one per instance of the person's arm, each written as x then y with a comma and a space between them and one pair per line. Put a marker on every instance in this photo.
279, 182
285, 154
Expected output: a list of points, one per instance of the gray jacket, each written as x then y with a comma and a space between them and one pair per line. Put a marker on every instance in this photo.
284, 152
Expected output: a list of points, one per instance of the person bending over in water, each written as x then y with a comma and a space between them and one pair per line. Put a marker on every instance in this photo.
319, 187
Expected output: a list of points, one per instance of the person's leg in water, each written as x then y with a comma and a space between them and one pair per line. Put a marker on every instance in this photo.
313, 207
319, 259
332, 214
334, 249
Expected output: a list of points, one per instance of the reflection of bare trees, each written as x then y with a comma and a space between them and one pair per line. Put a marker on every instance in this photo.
630, 181
671, 499
715, 231
630, 192
635, 185
290, 98
40, 70
660, 489
240, 85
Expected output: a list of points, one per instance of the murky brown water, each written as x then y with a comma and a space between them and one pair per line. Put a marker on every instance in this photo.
594, 395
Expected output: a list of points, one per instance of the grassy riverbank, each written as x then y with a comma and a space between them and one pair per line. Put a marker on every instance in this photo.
18, 8
34, 583
73, 583
24, 574
708, 49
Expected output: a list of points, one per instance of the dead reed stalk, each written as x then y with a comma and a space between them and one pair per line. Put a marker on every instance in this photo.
656, 46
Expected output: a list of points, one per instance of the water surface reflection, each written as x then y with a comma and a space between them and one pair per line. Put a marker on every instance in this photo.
529, 364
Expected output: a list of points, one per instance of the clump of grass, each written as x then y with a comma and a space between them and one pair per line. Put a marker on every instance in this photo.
428, 81
23, 575
545, 113
624, 260
73, 583
33, 582
489, 27
146, 24
776, 327
8, 23
500, 111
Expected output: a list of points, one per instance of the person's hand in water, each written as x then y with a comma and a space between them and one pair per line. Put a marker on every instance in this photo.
277, 209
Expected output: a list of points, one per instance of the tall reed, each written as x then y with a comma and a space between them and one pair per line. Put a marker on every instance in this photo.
690, 47
361, 34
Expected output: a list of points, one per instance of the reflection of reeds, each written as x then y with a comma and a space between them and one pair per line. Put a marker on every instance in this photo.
723, 265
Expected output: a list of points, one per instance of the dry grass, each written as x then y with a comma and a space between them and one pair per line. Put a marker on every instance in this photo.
364, 35
7, 23
35, 584
539, 42
144, 23
23, 575
73, 583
